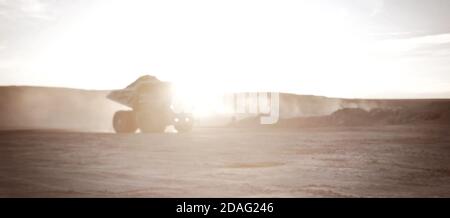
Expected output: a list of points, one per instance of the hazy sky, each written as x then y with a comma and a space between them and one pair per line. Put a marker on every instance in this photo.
347, 48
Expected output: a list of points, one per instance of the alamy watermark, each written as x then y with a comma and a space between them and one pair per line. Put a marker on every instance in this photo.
265, 105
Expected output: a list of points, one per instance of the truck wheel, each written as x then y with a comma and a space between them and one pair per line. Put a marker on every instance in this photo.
124, 122
152, 123
184, 123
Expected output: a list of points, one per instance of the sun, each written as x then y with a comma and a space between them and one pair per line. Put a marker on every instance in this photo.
307, 53
196, 98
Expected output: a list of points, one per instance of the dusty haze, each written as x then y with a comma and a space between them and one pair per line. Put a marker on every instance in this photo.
55, 108
86, 110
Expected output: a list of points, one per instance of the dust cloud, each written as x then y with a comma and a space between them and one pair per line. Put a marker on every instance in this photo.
55, 108
87, 110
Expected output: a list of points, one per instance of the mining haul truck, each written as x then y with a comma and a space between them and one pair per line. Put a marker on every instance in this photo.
151, 111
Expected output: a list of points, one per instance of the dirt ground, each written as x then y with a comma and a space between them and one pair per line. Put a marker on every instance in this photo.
377, 161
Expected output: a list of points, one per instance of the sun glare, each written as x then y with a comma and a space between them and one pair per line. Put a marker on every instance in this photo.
311, 51
198, 98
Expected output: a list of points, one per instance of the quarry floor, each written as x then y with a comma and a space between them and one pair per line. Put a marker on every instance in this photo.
383, 161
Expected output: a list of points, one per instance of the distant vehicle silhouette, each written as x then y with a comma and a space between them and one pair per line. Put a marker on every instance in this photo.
151, 103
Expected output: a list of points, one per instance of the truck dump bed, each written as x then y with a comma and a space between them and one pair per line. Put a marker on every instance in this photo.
130, 95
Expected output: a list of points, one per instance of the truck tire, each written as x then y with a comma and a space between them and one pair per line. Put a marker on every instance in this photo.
152, 122
184, 123
124, 122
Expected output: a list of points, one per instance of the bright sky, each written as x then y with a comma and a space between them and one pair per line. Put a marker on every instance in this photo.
347, 48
